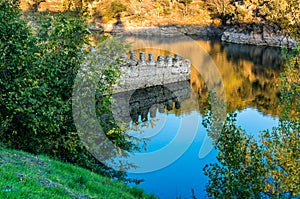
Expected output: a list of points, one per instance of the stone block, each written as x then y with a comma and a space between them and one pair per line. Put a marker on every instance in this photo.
151, 60
133, 72
133, 56
168, 61
143, 73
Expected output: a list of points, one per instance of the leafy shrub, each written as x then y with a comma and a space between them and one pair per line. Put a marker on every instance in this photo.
268, 168
240, 171
37, 73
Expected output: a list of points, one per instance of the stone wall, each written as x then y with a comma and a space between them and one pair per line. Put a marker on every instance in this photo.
142, 72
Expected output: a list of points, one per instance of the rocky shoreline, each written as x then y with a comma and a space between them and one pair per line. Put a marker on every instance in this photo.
205, 31
258, 34
253, 34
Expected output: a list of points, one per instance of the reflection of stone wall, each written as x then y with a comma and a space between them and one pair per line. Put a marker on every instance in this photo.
132, 104
144, 72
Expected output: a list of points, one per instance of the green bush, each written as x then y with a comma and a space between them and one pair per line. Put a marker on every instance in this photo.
37, 75
268, 168
38, 66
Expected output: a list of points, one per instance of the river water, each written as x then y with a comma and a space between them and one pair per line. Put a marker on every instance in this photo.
247, 77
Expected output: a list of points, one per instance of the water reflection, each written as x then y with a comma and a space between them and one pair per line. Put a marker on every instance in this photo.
143, 101
250, 74
268, 168
250, 78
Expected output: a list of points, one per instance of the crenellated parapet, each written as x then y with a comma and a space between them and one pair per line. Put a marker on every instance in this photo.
146, 71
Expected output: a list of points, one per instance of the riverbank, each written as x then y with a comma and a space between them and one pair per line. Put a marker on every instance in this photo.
204, 31
258, 34
24, 175
253, 20
253, 34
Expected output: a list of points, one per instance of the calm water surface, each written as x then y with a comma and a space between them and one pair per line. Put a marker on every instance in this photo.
250, 77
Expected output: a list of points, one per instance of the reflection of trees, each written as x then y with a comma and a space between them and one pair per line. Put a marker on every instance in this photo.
240, 171
268, 169
281, 152
250, 76
261, 56
282, 143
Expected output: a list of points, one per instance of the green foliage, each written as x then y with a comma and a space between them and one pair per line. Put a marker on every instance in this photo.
37, 73
100, 65
283, 142
281, 12
75, 5
39, 85
269, 169
26, 176
162, 7
241, 171
290, 85
282, 159
17, 52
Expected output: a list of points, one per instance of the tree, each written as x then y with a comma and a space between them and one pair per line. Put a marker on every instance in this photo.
34, 4
240, 172
186, 3
274, 11
116, 8
222, 9
282, 143
75, 5
292, 19
37, 73
270, 168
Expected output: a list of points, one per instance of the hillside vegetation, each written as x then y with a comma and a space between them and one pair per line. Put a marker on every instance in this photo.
39, 61
180, 12
26, 176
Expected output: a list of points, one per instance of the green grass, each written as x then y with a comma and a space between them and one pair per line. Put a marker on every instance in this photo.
23, 175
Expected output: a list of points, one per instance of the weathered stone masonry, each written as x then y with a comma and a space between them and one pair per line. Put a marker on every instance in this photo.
142, 73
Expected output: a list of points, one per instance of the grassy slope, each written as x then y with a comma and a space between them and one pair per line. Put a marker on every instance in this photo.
23, 175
